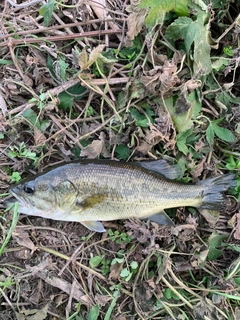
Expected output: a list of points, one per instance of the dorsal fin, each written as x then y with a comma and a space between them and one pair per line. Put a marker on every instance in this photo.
163, 167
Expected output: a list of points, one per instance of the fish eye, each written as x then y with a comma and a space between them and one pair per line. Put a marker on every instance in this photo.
28, 189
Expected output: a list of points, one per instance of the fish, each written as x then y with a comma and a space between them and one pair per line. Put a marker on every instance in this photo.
91, 191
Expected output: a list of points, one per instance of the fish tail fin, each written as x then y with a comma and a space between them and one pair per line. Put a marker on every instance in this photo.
213, 189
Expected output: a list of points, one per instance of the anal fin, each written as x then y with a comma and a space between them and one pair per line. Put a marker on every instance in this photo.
161, 218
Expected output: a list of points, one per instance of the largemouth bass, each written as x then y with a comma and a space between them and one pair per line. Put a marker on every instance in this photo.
91, 190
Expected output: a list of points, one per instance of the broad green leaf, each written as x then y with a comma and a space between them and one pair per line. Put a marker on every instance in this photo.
46, 11
181, 141
63, 67
95, 261
15, 177
134, 264
223, 133
117, 260
124, 273
50, 63
228, 98
167, 293
122, 151
44, 125
141, 119
178, 29
67, 97
144, 123
198, 4
158, 10
197, 33
202, 62
94, 313
210, 134
31, 116
214, 243
66, 101
136, 114
183, 119
219, 64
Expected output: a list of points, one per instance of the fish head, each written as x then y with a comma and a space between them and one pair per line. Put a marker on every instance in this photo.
48, 197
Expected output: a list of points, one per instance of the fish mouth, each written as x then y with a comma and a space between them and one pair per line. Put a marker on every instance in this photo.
22, 203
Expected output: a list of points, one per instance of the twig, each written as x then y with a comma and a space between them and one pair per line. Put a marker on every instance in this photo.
63, 87
101, 126
61, 38
24, 5
6, 298
67, 25
63, 129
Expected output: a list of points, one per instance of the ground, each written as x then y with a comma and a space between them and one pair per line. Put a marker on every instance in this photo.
129, 81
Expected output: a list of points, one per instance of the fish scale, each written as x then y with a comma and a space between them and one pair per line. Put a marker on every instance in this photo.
91, 190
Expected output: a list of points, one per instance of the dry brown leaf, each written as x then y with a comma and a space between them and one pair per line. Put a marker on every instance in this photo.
95, 53
83, 59
94, 149
22, 238
85, 62
197, 171
39, 137
182, 104
205, 309
168, 77
237, 229
33, 314
184, 231
100, 9
3, 107
90, 127
211, 216
156, 59
31, 60
27, 81
140, 230
135, 20
144, 147
161, 79
115, 270
63, 285
3, 122
199, 144
102, 300
192, 221
163, 131
154, 136
24, 254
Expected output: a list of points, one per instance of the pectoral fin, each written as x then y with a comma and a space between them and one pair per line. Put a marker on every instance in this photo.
93, 225
161, 218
